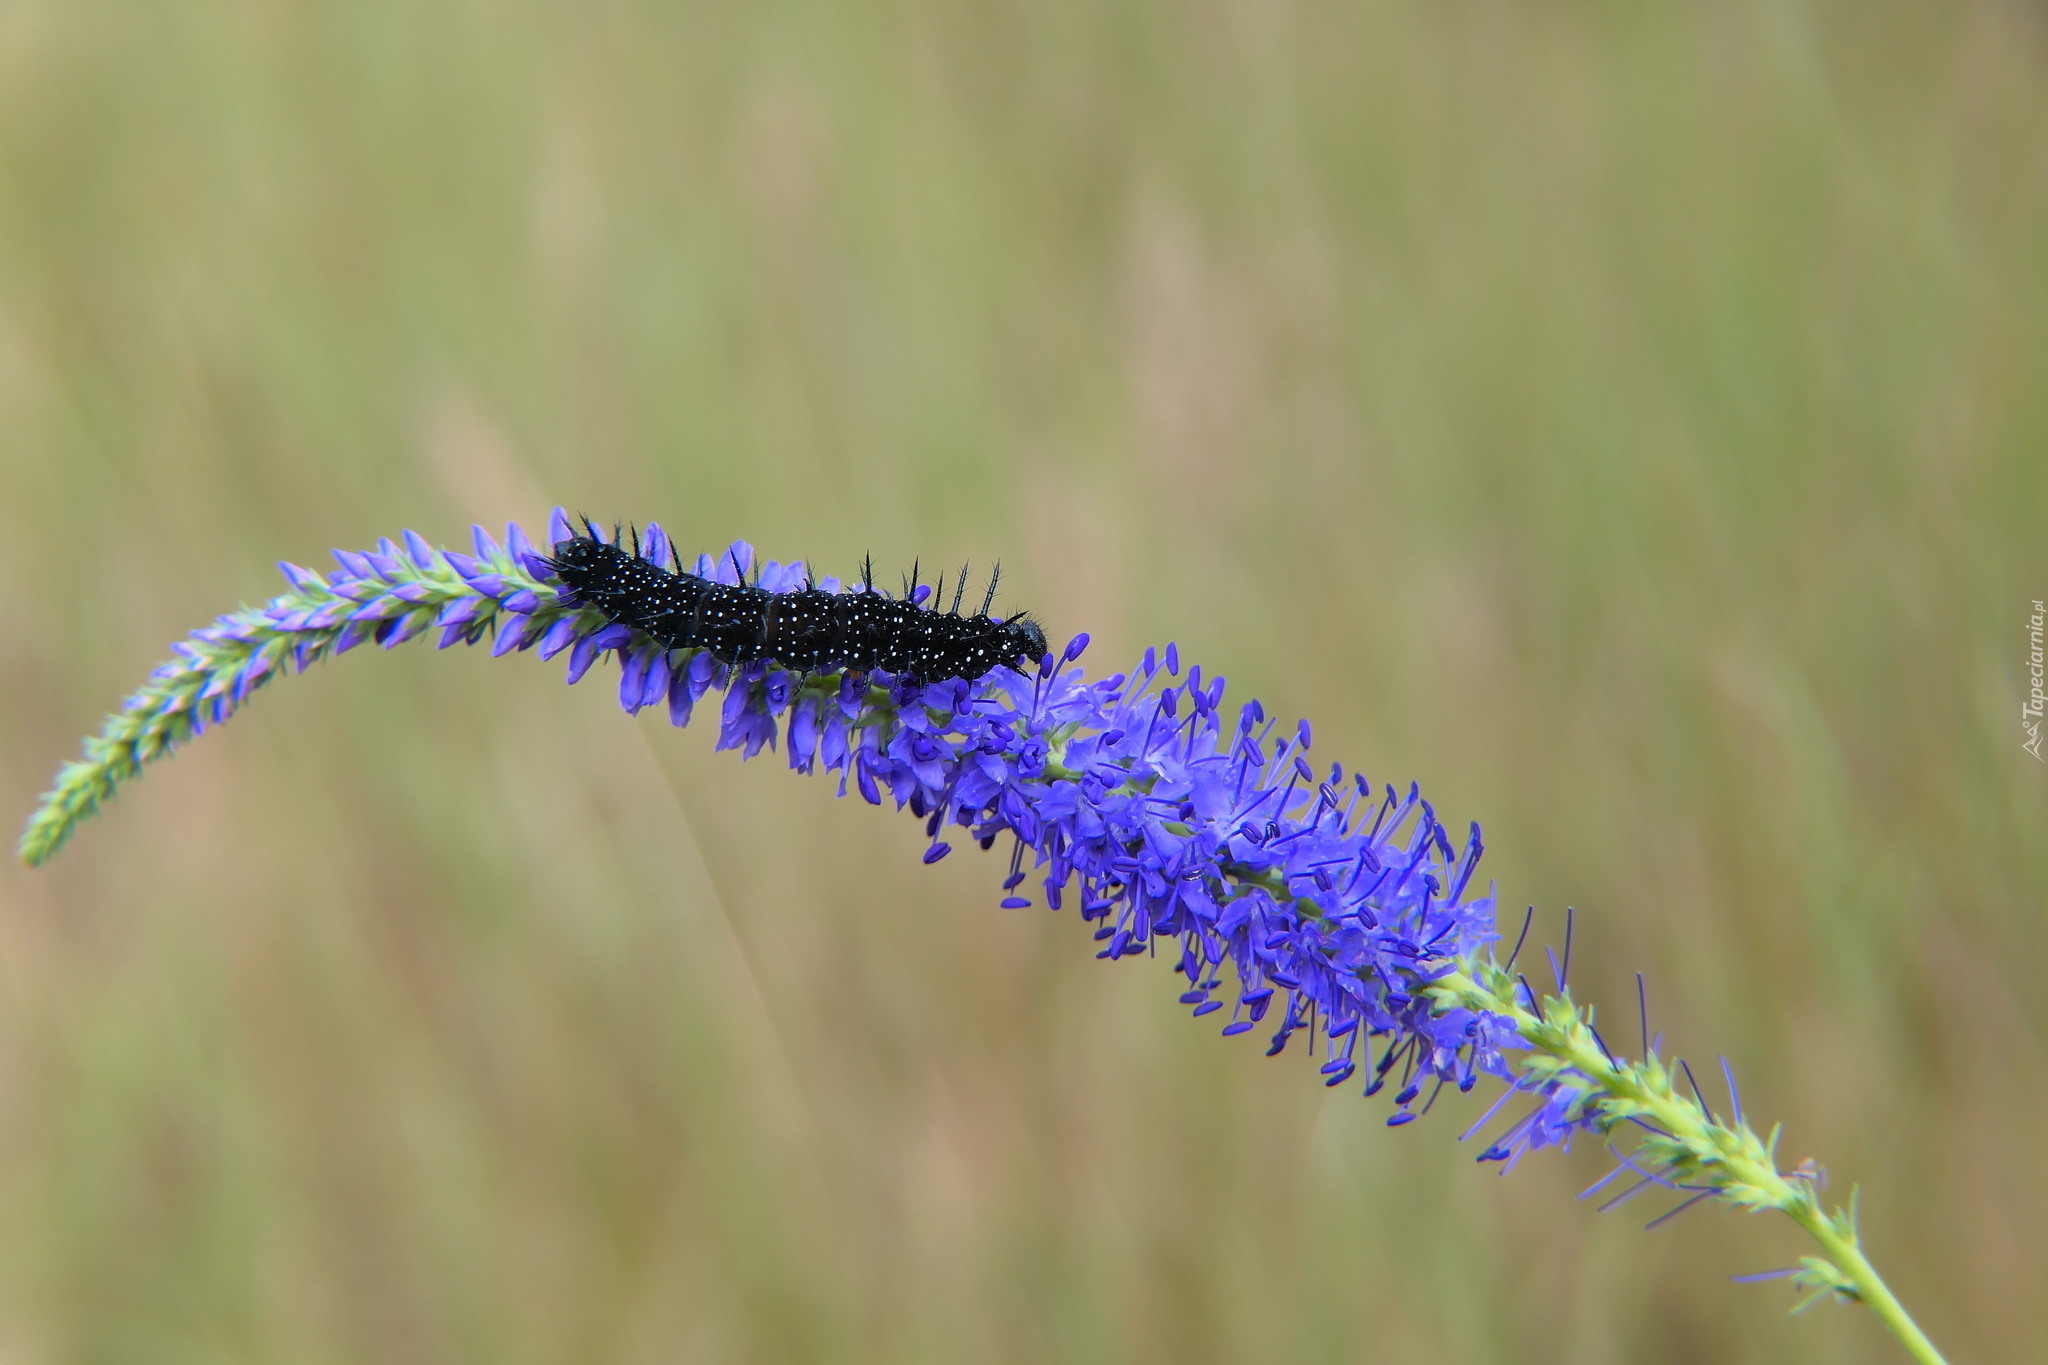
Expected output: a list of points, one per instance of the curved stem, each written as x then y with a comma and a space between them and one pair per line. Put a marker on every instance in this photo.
1870, 1286
1690, 1145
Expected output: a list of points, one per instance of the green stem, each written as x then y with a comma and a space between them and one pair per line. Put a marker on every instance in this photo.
1870, 1286
1689, 1145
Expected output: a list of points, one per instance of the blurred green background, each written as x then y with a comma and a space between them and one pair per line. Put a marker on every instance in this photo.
1627, 420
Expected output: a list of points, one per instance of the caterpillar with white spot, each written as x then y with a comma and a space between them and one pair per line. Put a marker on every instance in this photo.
809, 630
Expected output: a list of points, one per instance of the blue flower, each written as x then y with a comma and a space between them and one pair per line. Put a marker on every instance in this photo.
1286, 894
1296, 897
1291, 897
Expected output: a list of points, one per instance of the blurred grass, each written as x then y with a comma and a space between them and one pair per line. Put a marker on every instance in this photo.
1626, 421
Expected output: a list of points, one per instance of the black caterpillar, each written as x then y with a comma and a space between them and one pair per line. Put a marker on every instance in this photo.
809, 630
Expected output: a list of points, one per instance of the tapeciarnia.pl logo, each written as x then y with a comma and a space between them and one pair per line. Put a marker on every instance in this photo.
2030, 714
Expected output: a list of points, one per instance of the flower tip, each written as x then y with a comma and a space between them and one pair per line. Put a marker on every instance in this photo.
936, 852
559, 526
1016, 903
421, 552
302, 579
1074, 647
738, 557
522, 552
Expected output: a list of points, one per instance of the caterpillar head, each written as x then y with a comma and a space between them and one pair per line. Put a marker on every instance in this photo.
1026, 637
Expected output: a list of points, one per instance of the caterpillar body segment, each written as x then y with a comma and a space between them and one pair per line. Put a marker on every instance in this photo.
809, 630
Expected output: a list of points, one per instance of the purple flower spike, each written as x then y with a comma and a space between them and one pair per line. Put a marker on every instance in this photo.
680, 702
582, 657
559, 637
632, 680
654, 544
302, 579
1173, 829
1298, 903
657, 678
421, 552
522, 553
